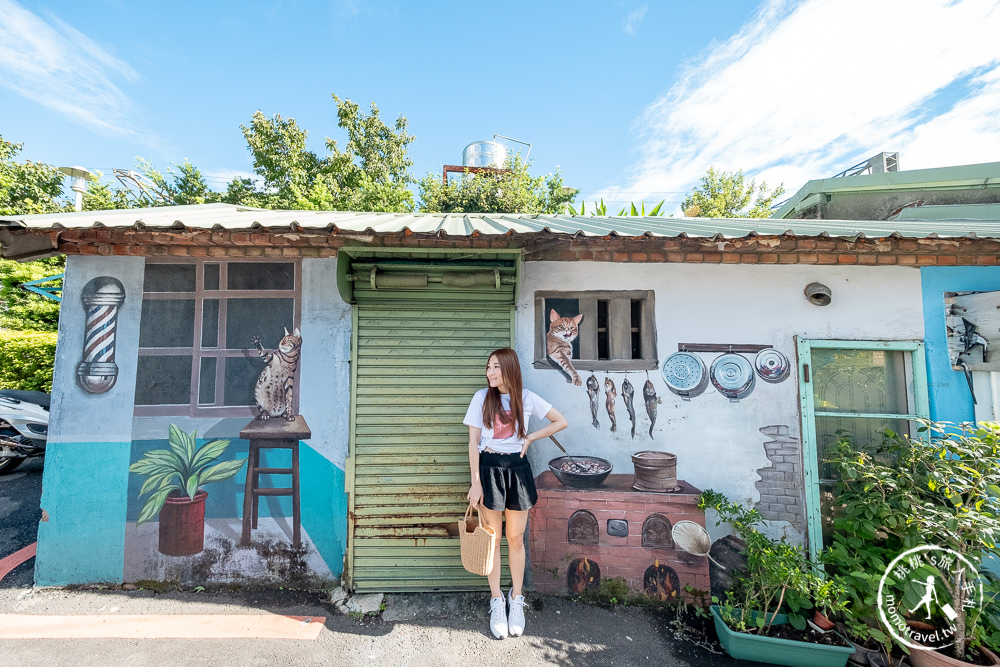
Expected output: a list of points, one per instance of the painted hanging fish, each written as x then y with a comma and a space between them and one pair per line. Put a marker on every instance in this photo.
609, 391
627, 393
650, 398
592, 389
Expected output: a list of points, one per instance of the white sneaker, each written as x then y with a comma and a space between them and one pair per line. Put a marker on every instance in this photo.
515, 620
498, 617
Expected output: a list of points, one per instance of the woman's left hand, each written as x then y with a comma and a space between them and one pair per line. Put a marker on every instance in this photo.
524, 446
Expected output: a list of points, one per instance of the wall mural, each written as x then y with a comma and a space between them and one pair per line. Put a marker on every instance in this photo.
654, 537
559, 344
732, 374
651, 400
173, 480
590, 514
626, 526
102, 299
780, 483
275, 388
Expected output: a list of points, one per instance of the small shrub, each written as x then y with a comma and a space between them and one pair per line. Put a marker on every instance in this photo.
26, 360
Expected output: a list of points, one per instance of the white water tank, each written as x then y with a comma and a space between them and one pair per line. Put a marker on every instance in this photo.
484, 154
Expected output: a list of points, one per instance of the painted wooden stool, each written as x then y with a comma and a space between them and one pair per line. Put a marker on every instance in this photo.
275, 433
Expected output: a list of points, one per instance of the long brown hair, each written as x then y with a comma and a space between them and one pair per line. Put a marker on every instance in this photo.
510, 368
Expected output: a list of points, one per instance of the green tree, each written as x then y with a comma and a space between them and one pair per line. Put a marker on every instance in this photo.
242, 191
512, 190
370, 174
103, 197
27, 187
374, 168
186, 187
724, 194
23, 310
280, 157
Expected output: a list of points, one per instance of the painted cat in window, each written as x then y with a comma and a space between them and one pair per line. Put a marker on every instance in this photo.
559, 344
275, 389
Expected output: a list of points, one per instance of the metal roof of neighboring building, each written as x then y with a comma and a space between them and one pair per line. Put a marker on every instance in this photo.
939, 178
988, 213
231, 218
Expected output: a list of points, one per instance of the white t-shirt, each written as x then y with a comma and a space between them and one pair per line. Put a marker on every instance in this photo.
503, 437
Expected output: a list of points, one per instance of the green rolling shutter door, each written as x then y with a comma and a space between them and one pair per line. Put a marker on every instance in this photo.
419, 355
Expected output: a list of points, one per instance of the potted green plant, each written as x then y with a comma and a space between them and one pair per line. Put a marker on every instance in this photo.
174, 478
827, 601
942, 489
778, 586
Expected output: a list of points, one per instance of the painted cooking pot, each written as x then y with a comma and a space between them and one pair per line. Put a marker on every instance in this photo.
733, 376
771, 365
685, 374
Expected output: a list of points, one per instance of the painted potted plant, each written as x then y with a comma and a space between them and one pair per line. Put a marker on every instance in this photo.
942, 491
779, 586
174, 478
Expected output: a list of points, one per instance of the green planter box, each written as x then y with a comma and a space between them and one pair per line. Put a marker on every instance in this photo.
778, 651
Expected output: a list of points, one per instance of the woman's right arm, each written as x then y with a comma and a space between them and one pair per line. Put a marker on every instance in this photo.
476, 489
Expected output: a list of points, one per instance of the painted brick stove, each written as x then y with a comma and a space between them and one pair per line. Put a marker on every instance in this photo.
578, 536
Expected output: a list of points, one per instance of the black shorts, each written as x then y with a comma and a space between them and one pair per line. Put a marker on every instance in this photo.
507, 482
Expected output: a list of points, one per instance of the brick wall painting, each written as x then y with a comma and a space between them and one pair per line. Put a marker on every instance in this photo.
577, 537
780, 483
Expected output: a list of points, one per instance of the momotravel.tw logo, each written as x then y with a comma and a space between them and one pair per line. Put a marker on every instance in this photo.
915, 599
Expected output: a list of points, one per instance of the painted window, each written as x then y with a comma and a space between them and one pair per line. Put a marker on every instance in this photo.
860, 388
196, 337
604, 330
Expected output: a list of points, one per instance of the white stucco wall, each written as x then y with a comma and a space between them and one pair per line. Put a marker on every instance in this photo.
79, 416
325, 376
717, 442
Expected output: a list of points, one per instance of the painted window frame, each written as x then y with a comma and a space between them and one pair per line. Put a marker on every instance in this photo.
916, 378
193, 408
619, 337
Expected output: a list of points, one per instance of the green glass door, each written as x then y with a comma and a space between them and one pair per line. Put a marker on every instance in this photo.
860, 389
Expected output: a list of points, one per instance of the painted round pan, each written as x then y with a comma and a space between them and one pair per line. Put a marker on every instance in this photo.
771, 365
685, 374
733, 375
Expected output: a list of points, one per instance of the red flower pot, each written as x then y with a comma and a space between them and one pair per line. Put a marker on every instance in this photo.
820, 619
929, 658
182, 524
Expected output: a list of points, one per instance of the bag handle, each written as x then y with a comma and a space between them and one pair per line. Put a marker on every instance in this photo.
478, 515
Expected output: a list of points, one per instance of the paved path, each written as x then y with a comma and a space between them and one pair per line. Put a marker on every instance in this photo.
53, 626
20, 494
416, 629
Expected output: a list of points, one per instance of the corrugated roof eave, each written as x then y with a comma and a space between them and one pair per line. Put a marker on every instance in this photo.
235, 218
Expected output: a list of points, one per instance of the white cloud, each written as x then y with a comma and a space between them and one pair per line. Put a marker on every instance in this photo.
53, 64
632, 21
806, 89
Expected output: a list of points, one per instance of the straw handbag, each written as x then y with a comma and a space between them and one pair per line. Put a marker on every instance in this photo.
477, 544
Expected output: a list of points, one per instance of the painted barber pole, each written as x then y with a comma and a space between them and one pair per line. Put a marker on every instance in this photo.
102, 297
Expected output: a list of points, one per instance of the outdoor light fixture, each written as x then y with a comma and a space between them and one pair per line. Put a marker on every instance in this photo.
78, 185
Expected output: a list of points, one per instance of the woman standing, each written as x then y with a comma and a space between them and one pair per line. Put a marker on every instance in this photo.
502, 481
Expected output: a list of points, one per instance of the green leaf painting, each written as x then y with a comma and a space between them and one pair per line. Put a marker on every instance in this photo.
183, 468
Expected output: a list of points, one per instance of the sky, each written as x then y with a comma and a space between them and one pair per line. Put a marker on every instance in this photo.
631, 100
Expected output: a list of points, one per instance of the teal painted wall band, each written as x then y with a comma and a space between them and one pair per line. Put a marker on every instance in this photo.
84, 498
324, 506
321, 487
